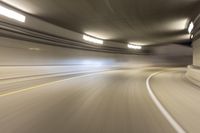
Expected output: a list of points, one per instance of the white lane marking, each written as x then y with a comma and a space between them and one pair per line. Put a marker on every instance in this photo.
166, 114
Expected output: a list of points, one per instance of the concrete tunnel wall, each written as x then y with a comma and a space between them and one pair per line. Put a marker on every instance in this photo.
196, 53
28, 58
18, 53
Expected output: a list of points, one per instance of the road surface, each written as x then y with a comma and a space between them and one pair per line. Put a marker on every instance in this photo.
105, 102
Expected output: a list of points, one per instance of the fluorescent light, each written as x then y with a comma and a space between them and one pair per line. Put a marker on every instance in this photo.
93, 40
138, 43
12, 14
131, 46
191, 26
192, 36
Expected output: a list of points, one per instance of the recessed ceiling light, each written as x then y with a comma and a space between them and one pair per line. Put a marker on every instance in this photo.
12, 14
132, 46
92, 39
190, 28
192, 36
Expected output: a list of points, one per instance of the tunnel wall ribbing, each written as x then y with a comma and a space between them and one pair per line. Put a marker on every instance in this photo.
19, 52
196, 43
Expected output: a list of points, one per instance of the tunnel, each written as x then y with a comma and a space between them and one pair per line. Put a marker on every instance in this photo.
99, 66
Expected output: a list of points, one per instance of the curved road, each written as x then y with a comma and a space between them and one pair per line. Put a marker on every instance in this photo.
180, 97
107, 102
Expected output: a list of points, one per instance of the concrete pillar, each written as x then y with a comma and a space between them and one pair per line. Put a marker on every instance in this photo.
193, 73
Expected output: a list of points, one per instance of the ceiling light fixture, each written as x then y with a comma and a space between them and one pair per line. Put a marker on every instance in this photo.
12, 14
192, 36
132, 46
190, 28
92, 39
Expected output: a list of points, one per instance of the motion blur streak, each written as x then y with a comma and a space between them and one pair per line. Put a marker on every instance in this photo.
78, 91
91, 66
102, 105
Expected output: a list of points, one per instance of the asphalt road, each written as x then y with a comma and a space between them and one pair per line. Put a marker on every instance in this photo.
107, 102
180, 97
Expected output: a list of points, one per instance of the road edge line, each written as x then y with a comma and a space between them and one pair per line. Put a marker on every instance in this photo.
162, 109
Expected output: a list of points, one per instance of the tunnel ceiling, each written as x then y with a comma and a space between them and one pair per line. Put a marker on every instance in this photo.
139, 21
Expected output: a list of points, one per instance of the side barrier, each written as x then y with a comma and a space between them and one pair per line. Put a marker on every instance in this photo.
193, 74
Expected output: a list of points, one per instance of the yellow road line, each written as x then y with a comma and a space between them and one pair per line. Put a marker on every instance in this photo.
49, 83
